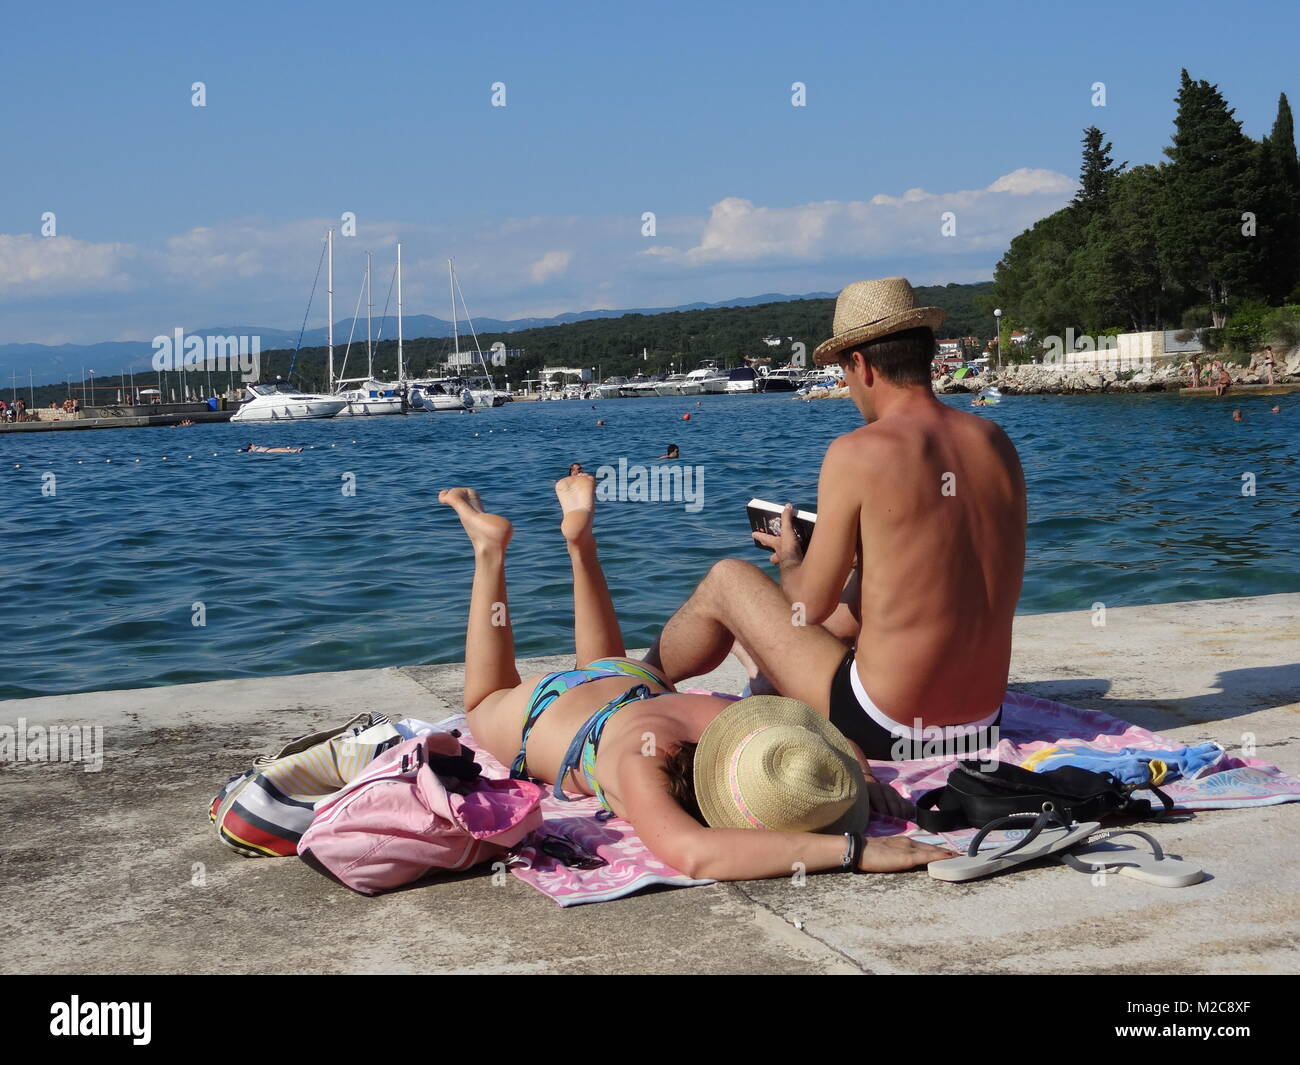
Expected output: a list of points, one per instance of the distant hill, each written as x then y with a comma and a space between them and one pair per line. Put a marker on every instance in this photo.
612, 342
68, 361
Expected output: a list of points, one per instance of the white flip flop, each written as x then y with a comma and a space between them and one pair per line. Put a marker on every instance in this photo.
1151, 867
1039, 842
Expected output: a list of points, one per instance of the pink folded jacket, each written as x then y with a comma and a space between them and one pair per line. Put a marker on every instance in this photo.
399, 820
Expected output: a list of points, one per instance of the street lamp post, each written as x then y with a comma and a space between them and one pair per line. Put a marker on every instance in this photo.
997, 332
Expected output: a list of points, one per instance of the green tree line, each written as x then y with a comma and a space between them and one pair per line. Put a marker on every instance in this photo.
1209, 236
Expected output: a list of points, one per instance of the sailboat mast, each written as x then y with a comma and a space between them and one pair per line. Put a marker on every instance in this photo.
455, 329
401, 367
370, 310
329, 288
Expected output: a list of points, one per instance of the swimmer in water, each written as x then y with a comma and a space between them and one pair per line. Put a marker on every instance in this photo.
673, 452
1236, 416
264, 450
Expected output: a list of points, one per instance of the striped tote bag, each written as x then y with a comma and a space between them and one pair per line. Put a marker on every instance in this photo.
263, 812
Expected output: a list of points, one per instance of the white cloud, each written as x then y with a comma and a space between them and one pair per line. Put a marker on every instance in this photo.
738, 231
254, 272
550, 265
32, 266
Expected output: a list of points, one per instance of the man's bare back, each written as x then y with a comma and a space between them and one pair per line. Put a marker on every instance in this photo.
941, 502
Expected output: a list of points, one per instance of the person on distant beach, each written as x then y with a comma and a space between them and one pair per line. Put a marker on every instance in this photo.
1270, 364
1196, 371
672, 453
925, 506
1236, 416
264, 450
1220, 378
723, 790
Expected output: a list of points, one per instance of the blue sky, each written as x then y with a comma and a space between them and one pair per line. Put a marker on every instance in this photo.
168, 214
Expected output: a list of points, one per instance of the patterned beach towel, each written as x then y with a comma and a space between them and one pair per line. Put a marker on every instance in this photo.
1029, 724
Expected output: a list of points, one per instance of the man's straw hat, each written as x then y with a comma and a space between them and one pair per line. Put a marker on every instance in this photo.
869, 310
769, 762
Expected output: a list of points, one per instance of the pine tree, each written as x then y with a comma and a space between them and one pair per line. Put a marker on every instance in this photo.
1097, 173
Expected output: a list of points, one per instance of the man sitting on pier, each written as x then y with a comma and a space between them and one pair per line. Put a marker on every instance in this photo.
925, 507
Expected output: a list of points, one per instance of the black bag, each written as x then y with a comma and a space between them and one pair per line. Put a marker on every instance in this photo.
974, 796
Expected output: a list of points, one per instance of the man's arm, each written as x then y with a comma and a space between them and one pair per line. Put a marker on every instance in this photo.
817, 579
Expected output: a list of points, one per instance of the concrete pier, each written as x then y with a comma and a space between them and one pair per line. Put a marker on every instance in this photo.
125, 421
119, 871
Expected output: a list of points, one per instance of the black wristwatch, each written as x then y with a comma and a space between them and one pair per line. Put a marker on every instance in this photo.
853, 844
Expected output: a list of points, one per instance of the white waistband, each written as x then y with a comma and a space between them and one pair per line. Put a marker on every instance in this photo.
897, 728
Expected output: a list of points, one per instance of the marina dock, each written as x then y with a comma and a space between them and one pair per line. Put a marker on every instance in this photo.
120, 872
126, 421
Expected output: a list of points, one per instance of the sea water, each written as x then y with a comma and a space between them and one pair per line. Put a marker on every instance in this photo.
139, 557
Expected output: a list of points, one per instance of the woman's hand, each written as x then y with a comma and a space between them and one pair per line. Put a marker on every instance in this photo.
894, 854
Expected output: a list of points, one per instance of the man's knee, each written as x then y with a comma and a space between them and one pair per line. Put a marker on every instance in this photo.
731, 573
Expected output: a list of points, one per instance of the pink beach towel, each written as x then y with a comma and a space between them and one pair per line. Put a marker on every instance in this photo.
1028, 725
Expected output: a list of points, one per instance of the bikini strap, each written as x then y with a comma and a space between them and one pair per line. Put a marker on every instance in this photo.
573, 755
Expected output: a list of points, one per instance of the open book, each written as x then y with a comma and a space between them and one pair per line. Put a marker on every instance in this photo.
765, 517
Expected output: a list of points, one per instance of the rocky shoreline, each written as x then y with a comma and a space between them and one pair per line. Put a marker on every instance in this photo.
1036, 380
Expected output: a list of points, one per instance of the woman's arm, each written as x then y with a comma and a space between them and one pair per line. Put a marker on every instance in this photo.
744, 853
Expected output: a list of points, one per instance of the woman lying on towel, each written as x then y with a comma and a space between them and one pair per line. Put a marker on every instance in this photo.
718, 789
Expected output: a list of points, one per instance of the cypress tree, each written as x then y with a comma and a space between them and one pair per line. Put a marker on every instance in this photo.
1279, 181
1210, 188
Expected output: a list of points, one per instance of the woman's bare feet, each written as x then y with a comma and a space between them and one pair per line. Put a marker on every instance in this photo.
486, 531
577, 496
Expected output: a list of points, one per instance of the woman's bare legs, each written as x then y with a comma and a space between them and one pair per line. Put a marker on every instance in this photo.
595, 626
489, 638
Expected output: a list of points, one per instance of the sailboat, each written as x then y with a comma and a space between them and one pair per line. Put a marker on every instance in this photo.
425, 393
490, 396
367, 396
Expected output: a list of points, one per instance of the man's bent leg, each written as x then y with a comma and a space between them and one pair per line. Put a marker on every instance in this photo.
736, 601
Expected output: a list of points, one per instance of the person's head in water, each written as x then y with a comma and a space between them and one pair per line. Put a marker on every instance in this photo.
1275, 409
575, 468
673, 452
1236, 416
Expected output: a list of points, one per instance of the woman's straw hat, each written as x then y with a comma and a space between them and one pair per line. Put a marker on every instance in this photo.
769, 762
869, 310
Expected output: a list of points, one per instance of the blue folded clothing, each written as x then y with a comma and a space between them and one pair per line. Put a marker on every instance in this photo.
1133, 765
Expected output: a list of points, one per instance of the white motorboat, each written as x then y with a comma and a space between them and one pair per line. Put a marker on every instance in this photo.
672, 386
611, 389
277, 401
741, 380
709, 378
786, 379
632, 388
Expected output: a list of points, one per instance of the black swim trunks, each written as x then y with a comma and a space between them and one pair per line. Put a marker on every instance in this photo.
855, 715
